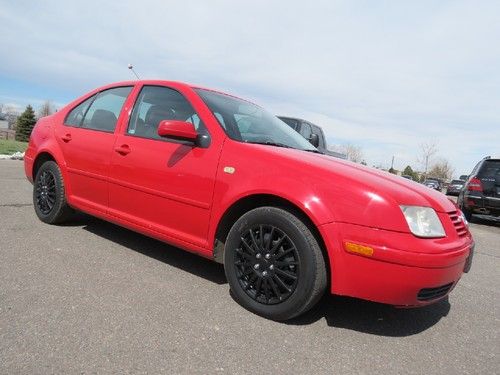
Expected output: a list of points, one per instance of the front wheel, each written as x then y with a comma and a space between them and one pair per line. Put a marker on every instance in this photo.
49, 197
274, 264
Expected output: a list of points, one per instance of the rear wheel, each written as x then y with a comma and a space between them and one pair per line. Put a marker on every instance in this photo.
49, 198
274, 264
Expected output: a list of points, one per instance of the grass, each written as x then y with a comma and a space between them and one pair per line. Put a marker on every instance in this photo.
8, 147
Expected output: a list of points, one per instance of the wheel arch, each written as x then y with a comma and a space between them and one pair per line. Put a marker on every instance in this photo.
249, 202
41, 158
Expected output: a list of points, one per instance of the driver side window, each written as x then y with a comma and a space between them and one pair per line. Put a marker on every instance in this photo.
155, 104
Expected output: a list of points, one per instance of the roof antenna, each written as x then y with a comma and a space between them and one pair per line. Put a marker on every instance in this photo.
130, 66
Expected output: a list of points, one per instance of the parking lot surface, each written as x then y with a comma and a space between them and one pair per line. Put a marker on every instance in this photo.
91, 297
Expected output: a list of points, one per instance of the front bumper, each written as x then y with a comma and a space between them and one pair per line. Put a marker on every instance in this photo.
401, 268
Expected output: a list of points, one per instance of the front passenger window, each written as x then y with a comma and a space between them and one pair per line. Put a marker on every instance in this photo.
105, 110
157, 103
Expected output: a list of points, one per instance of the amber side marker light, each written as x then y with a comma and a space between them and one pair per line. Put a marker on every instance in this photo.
358, 249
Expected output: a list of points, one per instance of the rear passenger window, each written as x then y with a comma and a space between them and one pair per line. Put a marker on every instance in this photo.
105, 109
75, 117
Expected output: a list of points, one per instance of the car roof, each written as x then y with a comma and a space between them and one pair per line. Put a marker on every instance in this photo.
161, 82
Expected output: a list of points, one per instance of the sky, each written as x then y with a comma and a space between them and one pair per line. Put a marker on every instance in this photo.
384, 75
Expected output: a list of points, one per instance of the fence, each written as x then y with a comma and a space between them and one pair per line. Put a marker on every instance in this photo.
7, 134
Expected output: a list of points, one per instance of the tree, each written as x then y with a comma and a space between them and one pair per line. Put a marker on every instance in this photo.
427, 152
442, 169
46, 109
25, 124
408, 171
353, 152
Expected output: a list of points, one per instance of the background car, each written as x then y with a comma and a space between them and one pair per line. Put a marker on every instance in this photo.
481, 192
454, 187
313, 133
433, 184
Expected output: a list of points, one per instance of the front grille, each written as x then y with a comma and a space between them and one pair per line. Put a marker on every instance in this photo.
428, 294
458, 223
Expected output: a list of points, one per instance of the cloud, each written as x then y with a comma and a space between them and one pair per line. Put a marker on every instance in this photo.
385, 75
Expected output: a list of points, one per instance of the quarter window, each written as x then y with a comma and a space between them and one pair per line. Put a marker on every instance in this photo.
155, 104
105, 109
75, 117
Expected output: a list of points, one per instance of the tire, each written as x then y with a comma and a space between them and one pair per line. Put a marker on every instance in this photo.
264, 246
49, 197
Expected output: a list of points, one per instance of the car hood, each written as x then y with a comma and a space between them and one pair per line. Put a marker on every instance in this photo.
356, 193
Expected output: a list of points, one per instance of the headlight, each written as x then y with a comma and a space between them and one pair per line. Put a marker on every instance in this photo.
423, 221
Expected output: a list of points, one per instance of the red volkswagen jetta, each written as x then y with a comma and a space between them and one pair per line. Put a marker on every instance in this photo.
221, 177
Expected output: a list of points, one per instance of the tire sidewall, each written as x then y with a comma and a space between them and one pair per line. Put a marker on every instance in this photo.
307, 271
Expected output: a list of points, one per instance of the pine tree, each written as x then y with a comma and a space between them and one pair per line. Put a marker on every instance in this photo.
25, 124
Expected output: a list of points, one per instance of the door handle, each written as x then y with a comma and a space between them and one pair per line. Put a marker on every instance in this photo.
66, 137
123, 149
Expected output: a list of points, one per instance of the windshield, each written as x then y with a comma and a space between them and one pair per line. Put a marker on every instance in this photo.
247, 122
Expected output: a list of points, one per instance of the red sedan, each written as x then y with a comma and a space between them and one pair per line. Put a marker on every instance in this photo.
221, 177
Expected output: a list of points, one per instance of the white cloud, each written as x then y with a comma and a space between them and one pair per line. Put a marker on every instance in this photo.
386, 75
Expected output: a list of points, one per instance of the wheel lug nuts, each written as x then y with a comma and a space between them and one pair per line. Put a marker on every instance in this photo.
256, 266
267, 256
271, 267
264, 273
258, 255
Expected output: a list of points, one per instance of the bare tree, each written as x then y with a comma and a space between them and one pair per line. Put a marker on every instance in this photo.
354, 153
427, 152
442, 169
11, 114
46, 109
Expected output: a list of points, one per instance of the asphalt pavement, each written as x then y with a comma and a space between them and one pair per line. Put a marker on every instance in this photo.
91, 297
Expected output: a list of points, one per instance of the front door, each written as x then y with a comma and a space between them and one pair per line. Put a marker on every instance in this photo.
162, 185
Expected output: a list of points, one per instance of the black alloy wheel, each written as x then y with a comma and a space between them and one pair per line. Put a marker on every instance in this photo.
274, 264
45, 192
267, 264
49, 196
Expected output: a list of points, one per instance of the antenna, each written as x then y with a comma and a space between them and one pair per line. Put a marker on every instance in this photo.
131, 67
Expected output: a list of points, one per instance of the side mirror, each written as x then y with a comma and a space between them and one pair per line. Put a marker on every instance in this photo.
314, 140
179, 130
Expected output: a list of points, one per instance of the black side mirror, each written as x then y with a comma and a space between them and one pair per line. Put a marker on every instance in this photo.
314, 140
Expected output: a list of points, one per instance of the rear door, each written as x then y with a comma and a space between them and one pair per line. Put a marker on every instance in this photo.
86, 139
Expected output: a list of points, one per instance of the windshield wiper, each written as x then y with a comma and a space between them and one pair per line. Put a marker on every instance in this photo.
271, 143
313, 150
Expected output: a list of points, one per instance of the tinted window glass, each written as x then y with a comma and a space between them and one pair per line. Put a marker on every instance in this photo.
76, 115
490, 169
104, 111
155, 104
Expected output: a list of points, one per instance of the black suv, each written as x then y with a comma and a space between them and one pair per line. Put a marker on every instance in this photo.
313, 133
481, 193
